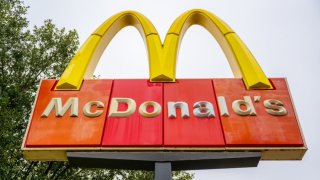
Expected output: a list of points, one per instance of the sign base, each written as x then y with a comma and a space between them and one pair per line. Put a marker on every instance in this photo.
164, 162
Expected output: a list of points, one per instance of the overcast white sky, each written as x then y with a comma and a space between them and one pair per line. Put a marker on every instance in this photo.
284, 37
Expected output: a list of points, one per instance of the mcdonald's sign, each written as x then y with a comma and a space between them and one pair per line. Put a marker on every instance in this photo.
247, 113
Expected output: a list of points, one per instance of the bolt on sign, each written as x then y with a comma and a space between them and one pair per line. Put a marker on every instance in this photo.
247, 113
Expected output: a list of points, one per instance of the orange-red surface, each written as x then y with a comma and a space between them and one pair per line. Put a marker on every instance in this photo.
263, 129
192, 131
135, 130
68, 131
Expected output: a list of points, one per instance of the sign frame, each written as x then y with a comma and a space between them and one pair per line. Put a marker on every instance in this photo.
240, 59
60, 153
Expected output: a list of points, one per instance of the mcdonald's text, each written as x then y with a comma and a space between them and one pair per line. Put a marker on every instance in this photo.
201, 109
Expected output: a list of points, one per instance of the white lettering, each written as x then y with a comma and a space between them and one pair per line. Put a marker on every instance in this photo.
223, 106
156, 109
274, 107
183, 107
113, 111
203, 109
87, 112
60, 110
247, 102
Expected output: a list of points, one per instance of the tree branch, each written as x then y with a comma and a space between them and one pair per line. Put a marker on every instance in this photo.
48, 168
62, 172
29, 169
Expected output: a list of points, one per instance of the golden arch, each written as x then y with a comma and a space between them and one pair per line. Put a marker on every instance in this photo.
162, 58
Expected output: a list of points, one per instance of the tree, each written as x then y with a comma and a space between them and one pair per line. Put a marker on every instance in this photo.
26, 57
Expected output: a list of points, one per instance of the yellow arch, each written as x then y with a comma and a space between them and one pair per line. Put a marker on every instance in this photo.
84, 62
162, 58
242, 62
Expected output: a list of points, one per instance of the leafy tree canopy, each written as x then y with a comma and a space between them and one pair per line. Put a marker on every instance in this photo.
28, 55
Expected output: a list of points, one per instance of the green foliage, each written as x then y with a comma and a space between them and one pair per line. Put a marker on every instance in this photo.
26, 57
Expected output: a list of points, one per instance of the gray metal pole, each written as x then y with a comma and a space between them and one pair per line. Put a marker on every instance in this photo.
162, 171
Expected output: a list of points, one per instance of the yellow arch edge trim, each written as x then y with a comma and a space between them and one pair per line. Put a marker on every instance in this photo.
84, 62
162, 58
242, 62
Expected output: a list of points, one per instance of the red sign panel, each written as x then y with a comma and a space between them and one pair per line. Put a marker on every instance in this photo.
269, 125
192, 130
60, 125
134, 129
188, 113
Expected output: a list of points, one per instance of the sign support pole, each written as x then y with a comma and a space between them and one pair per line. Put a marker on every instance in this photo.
162, 171
163, 163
